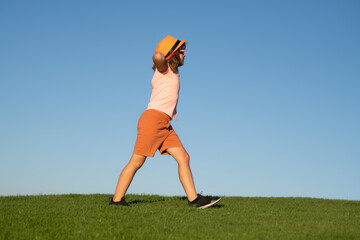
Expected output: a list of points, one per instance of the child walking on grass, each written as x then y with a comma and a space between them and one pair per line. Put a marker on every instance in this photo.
154, 129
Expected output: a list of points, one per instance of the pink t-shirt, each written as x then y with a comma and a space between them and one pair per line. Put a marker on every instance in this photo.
165, 93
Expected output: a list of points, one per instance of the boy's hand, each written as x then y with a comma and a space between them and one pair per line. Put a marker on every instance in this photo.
160, 62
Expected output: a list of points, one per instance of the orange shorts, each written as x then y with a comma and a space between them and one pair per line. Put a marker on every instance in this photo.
155, 132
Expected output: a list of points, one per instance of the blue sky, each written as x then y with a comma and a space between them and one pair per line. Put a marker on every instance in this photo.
269, 99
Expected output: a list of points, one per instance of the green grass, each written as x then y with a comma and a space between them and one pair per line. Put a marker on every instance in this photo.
158, 217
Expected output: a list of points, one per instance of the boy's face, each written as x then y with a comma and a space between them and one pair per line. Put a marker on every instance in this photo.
182, 55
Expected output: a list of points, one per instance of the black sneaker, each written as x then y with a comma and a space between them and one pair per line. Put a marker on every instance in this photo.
122, 202
203, 202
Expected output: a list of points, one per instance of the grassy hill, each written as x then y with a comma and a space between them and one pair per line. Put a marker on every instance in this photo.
158, 217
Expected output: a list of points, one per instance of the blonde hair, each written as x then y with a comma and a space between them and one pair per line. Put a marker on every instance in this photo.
174, 61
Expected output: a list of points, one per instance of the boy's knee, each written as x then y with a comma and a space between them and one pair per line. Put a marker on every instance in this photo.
185, 159
137, 162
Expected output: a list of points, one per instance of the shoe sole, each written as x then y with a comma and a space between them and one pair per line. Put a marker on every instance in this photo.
210, 204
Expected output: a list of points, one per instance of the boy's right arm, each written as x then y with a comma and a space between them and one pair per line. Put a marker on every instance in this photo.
160, 62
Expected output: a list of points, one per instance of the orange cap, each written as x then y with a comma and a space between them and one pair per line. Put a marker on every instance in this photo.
168, 46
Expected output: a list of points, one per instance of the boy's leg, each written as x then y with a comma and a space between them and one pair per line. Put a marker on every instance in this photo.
185, 175
127, 174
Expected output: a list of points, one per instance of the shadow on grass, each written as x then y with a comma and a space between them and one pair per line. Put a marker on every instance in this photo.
217, 206
146, 201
